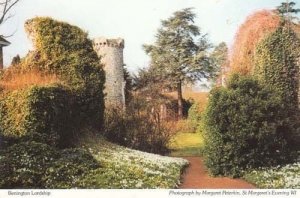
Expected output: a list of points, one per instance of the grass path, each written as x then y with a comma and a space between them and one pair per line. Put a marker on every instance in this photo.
196, 176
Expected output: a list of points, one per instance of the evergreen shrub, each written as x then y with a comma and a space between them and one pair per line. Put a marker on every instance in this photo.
246, 126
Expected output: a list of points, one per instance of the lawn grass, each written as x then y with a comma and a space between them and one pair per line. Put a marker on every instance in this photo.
186, 144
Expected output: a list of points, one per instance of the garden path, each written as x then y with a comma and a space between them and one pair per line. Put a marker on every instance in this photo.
196, 176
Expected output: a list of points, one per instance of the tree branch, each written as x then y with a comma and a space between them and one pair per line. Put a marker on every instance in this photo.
7, 5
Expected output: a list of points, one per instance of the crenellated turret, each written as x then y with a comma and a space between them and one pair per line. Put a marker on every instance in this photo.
111, 53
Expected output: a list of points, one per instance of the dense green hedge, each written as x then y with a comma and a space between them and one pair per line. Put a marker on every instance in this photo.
41, 113
246, 127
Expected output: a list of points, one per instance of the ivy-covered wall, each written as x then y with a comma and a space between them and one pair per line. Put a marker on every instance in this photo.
55, 112
66, 50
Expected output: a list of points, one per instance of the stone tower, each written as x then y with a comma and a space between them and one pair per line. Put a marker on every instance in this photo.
111, 53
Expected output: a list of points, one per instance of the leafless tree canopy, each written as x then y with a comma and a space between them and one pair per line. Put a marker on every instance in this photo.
5, 7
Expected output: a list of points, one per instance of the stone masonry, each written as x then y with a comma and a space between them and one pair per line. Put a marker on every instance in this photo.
111, 53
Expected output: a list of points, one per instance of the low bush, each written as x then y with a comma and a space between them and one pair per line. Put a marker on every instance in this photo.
247, 126
68, 170
37, 165
23, 165
44, 112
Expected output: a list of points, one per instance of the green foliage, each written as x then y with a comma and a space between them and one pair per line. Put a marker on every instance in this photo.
245, 127
13, 113
128, 86
176, 43
219, 57
285, 8
51, 114
276, 63
194, 117
66, 51
37, 113
179, 53
23, 165
56, 110
68, 170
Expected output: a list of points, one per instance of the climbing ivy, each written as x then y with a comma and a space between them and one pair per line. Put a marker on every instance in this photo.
276, 63
59, 110
66, 51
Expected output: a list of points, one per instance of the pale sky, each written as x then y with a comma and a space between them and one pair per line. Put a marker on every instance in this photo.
134, 20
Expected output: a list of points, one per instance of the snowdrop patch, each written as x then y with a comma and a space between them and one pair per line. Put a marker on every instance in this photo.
128, 168
287, 176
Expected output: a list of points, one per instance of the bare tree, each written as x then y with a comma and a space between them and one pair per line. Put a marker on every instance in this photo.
5, 7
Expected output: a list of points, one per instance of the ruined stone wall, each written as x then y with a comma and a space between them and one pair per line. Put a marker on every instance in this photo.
111, 53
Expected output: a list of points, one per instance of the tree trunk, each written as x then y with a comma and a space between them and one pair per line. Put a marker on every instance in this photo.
179, 100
